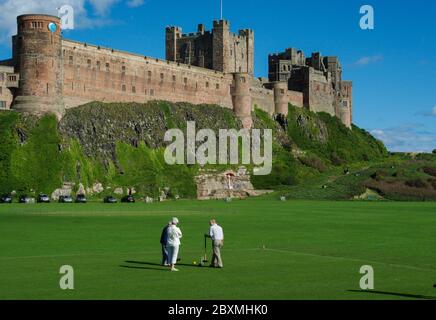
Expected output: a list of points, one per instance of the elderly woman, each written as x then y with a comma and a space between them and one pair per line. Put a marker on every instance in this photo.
174, 235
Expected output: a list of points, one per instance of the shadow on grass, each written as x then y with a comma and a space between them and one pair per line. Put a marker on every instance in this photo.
144, 268
404, 295
159, 265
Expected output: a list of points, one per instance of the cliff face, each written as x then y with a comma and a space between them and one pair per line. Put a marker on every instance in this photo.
98, 127
111, 147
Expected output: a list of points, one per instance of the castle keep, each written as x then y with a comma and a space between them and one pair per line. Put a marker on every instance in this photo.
49, 74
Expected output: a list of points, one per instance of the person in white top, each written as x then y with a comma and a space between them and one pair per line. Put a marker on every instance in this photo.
174, 235
217, 235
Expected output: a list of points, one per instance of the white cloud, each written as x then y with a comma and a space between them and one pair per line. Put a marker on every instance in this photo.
10, 9
431, 113
135, 3
102, 7
406, 138
369, 60
99, 15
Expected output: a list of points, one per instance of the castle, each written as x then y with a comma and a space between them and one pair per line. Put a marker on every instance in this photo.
50, 74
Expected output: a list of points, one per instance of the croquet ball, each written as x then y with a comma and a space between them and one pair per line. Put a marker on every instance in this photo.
194, 263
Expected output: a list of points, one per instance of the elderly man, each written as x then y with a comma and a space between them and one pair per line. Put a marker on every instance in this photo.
217, 235
174, 236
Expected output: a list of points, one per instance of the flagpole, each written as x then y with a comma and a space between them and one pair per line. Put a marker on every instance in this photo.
221, 9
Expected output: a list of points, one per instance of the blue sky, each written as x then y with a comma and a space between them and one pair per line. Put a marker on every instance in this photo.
393, 67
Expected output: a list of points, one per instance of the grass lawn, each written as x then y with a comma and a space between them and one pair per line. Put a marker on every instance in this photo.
273, 250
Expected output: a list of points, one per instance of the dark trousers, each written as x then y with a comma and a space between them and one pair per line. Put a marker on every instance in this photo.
164, 255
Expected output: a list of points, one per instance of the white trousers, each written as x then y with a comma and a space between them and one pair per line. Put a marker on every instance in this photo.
173, 252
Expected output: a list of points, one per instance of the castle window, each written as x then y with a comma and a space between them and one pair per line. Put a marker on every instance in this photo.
243, 79
123, 88
123, 70
162, 76
47, 88
70, 60
34, 25
207, 84
145, 91
217, 86
174, 78
185, 80
345, 103
2, 104
282, 91
89, 63
98, 65
108, 67
133, 89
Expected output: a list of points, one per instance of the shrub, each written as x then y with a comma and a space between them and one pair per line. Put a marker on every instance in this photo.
432, 183
430, 171
416, 183
336, 160
434, 151
399, 173
379, 175
400, 191
313, 162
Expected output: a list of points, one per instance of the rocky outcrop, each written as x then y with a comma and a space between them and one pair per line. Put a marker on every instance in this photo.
228, 184
65, 190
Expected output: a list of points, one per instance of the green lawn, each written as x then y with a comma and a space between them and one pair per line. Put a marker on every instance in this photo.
313, 250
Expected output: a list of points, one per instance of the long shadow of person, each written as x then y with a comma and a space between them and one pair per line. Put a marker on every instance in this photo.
398, 294
157, 264
143, 268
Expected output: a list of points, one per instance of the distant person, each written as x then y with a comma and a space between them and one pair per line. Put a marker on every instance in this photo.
217, 235
174, 235
164, 244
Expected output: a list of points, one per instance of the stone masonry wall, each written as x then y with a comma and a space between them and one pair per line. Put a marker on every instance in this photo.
95, 73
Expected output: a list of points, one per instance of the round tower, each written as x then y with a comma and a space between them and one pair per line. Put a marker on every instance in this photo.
242, 98
346, 116
38, 59
281, 98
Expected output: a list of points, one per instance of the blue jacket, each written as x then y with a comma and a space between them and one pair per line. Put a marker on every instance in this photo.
164, 236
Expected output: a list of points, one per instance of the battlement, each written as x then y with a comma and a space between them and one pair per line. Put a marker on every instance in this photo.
173, 29
221, 24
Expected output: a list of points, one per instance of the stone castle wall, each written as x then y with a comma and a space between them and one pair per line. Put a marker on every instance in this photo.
6, 95
56, 73
95, 73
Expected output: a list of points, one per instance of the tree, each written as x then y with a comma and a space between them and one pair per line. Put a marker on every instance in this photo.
434, 151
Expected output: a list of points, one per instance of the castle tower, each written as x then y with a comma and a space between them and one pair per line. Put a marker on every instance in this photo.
281, 98
241, 98
38, 58
345, 116
250, 50
172, 34
221, 46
